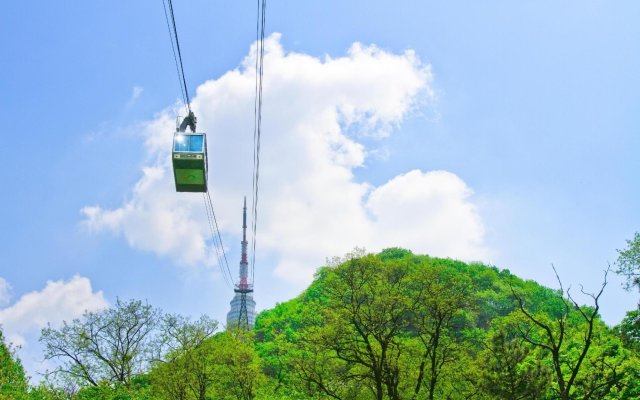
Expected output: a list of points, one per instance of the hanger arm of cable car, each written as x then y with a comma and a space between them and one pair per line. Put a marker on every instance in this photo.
188, 121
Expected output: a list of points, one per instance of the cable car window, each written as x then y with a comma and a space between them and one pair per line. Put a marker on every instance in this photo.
197, 142
181, 143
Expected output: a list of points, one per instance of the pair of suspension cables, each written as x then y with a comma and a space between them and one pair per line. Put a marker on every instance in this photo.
216, 238
260, 23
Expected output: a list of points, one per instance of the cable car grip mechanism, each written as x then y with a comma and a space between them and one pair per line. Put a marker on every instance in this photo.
188, 121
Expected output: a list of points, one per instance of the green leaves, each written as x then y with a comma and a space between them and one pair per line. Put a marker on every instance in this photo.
509, 368
13, 383
629, 262
110, 345
629, 330
391, 326
402, 326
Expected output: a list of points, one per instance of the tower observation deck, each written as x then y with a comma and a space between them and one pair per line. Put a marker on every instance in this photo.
243, 308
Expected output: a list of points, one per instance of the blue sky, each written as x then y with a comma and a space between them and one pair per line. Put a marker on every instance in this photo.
527, 109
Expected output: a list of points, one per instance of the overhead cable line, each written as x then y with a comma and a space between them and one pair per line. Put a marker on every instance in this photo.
216, 238
215, 234
257, 127
212, 231
175, 47
215, 223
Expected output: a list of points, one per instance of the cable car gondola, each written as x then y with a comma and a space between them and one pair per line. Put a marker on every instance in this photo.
189, 158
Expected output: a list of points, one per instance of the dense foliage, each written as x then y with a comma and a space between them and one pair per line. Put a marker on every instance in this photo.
389, 326
400, 326
13, 383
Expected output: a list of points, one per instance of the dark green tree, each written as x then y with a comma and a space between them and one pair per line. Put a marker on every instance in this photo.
509, 369
629, 330
567, 337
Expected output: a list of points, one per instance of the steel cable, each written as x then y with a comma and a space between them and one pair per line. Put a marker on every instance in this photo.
175, 45
260, 30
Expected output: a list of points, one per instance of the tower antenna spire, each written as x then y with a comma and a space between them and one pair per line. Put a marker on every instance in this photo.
244, 263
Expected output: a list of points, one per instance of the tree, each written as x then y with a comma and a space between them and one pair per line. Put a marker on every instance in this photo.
139, 389
237, 367
403, 326
13, 382
629, 330
508, 368
179, 333
567, 337
606, 367
47, 392
201, 365
110, 345
366, 309
384, 324
319, 372
438, 321
278, 336
183, 364
629, 262
171, 379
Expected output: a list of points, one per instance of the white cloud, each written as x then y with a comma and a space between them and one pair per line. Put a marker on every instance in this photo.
429, 212
154, 220
5, 292
58, 301
311, 206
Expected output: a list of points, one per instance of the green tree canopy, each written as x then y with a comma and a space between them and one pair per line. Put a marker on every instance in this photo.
111, 345
13, 382
629, 262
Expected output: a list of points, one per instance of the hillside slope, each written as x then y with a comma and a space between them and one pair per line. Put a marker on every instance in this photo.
401, 326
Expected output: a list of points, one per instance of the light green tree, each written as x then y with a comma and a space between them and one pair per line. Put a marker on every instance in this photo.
237, 367
629, 262
111, 345
183, 358
13, 382
440, 318
360, 330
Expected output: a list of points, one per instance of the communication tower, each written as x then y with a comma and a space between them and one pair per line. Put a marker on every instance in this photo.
243, 308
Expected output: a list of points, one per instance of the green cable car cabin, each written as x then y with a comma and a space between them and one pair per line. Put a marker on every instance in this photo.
189, 157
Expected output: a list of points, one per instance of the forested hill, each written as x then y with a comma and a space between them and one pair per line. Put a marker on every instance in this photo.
401, 326
392, 326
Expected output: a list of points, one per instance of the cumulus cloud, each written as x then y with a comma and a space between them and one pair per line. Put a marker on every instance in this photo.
155, 220
316, 115
429, 212
58, 301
